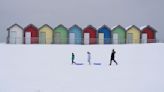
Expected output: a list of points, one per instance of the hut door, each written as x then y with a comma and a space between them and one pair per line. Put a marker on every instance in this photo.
12, 37
144, 38
129, 38
28, 38
86, 38
57, 38
115, 38
42, 38
72, 38
101, 38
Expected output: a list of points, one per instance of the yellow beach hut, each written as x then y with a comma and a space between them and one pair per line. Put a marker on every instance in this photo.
45, 34
133, 34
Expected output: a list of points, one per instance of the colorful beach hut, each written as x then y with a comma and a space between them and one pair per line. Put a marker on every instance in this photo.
15, 34
119, 35
104, 35
133, 34
89, 35
31, 34
45, 34
60, 35
148, 34
75, 35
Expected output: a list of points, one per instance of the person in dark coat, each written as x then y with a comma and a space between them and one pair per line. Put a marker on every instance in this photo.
113, 57
73, 58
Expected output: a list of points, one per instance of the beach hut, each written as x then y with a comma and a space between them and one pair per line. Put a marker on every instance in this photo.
15, 34
104, 35
119, 35
148, 34
45, 34
60, 35
75, 35
133, 34
89, 35
31, 34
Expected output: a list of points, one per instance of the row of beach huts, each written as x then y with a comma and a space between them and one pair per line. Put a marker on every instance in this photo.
76, 35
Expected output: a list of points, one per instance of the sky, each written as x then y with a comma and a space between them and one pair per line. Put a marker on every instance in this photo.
83, 13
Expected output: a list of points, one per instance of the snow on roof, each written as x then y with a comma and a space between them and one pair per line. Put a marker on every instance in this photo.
117, 26
129, 27
142, 27
114, 27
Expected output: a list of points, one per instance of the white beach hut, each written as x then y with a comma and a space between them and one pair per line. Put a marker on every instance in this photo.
15, 34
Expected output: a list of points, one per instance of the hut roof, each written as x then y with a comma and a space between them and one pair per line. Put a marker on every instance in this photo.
118, 26
132, 26
14, 26
46, 25
148, 26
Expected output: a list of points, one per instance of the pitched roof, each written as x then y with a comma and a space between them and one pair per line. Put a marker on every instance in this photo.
90, 26
119, 26
75, 26
132, 26
14, 26
30, 25
60, 25
148, 26
46, 25
104, 26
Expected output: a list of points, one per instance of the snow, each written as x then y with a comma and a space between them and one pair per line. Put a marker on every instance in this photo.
129, 27
114, 27
142, 27
47, 68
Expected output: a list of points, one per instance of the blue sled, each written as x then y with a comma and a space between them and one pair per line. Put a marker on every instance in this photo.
79, 64
96, 63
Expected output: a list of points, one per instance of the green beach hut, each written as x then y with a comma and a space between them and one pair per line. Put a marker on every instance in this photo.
119, 35
60, 35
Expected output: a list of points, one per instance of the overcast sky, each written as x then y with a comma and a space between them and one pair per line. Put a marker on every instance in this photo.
82, 12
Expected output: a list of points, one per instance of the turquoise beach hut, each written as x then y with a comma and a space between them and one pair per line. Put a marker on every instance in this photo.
75, 35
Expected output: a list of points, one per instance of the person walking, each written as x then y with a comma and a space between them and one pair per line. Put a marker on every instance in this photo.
113, 57
73, 58
89, 58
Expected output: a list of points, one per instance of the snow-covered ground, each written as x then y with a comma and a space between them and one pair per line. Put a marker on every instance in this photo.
47, 68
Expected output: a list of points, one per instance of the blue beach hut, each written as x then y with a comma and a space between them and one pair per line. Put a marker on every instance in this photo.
75, 35
104, 35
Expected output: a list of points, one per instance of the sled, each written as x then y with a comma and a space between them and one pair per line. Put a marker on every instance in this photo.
79, 64
96, 63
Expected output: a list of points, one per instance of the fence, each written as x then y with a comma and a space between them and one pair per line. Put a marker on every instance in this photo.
82, 41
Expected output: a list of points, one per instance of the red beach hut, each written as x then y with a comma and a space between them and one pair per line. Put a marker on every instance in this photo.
89, 35
148, 34
31, 34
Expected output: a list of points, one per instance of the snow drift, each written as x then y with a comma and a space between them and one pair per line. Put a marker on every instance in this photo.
47, 68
